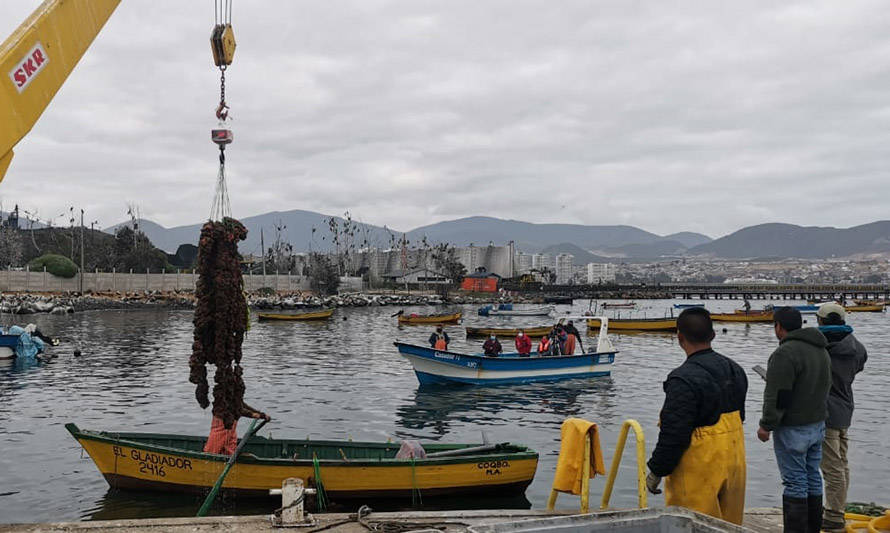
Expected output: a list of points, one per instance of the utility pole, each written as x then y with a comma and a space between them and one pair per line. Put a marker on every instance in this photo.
263, 247
81, 252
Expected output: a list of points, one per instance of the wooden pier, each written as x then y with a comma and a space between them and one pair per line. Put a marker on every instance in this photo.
711, 291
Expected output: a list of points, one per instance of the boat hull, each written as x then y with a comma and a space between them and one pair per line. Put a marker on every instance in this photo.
430, 319
741, 317
864, 308
508, 332
440, 367
637, 324
542, 311
129, 464
315, 315
7, 346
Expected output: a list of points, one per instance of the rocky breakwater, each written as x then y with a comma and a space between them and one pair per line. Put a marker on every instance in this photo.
30, 303
25, 304
302, 300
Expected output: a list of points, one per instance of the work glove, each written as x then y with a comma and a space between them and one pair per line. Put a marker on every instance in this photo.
652, 482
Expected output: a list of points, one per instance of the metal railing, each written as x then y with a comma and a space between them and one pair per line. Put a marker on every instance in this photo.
613, 470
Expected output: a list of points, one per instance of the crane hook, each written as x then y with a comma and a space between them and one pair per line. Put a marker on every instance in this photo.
222, 110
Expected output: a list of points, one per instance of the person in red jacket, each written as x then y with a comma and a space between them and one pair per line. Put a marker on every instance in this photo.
523, 344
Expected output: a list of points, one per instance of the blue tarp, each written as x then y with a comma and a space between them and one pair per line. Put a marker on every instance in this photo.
28, 346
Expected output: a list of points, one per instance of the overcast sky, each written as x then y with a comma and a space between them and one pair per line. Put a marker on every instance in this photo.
670, 116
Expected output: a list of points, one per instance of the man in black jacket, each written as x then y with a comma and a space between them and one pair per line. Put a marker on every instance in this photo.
848, 357
701, 443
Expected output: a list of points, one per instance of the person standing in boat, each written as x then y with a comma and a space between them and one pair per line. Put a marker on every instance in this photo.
561, 340
523, 344
701, 442
848, 357
572, 330
544, 345
439, 339
225, 441
492, 347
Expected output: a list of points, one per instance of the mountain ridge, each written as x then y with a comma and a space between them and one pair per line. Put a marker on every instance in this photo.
604, 242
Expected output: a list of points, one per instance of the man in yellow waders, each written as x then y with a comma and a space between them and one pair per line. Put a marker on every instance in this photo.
701, 443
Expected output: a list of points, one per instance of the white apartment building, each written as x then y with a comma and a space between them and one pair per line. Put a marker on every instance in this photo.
564, 268
523, 263
600, 273
542, 261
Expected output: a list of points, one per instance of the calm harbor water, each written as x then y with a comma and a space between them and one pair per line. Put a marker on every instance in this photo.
344, 379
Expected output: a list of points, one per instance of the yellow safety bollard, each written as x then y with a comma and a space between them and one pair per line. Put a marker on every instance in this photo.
616, 460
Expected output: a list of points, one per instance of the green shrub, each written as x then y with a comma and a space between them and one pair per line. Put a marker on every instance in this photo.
57, 265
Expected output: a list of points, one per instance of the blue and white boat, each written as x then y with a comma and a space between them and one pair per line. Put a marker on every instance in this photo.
446, 367
807, 309
687, 306
8, 344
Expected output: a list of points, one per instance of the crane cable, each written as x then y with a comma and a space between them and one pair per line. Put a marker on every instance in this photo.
222, 44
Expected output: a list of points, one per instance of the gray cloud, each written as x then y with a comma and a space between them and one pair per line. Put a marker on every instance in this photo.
668, 116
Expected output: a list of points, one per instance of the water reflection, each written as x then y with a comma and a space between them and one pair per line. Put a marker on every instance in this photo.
437, 407
343, 378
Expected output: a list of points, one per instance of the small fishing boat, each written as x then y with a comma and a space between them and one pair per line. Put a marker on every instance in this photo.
445, 367
687, 306
806, 309
742, 316
313, 315
453, 318
619, 305
872, 302
537, 331
508, 310
637, 324
346, 469
864, 308
7, 346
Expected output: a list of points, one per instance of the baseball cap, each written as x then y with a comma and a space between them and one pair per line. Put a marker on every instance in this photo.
831, 307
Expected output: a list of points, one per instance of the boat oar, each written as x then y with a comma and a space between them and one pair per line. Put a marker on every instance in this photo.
467, 451
208, 501
400, 313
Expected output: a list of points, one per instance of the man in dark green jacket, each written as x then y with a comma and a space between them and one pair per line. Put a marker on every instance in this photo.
798, 378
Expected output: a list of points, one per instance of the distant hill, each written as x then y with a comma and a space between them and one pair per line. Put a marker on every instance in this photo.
788, 240
647, 251
582, 257
529, 237
298, 231
24, 223
593, 243
688, 238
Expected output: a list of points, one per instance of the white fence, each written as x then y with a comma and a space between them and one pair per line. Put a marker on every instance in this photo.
28, 281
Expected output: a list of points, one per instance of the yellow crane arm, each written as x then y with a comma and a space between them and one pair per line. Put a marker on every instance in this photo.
37, 58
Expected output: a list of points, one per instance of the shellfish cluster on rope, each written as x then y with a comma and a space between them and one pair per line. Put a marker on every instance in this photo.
221, 319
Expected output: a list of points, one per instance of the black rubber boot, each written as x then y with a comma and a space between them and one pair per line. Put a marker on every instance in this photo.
795, 515
814, 514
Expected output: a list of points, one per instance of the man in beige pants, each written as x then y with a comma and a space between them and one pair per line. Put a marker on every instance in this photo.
848, 358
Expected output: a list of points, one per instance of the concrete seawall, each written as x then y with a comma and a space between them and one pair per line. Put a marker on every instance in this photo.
756, 520
42, 281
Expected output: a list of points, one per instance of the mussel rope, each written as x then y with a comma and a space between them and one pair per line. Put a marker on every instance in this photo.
319, 486
415, 490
